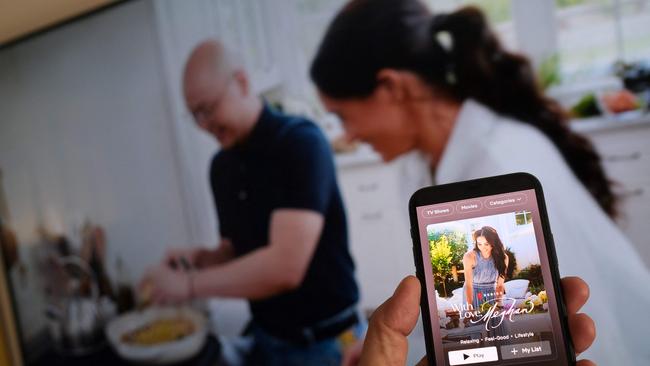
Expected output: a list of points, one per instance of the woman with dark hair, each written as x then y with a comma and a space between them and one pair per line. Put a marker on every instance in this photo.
485, 268
402, 79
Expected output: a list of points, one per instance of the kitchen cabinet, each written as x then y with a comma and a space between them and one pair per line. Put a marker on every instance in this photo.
625, 153
376, 198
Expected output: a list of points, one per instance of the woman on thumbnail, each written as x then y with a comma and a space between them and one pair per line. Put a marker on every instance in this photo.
403, 79
485, 269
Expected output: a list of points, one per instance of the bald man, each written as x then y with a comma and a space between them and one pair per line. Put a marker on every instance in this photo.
284, 244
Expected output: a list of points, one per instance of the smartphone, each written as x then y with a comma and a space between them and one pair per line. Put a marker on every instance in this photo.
485, 257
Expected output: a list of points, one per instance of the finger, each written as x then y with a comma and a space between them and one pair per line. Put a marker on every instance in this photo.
351, 355
155, 299
576, 293
142, 284
170, 255
386, 342
585, 363
158, 298
145, 282
583, 331
401, 311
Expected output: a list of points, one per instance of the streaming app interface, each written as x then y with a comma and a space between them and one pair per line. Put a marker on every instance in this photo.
488, 282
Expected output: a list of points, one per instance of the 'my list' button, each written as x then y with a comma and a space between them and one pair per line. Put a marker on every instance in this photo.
473, 355
524, 350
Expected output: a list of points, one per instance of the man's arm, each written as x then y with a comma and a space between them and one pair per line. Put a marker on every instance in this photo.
201, 257
223, 253
270, 270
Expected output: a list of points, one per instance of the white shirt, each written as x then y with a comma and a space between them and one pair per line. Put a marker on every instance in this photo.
588, 243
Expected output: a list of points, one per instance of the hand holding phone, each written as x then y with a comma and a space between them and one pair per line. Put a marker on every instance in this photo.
491, 292
386, 340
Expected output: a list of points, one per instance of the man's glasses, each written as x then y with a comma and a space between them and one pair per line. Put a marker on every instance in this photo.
203, 112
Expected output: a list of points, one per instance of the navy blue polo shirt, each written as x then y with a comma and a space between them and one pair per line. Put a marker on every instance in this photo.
286, 163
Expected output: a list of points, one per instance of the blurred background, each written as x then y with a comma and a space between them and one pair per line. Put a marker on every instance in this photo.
99, 155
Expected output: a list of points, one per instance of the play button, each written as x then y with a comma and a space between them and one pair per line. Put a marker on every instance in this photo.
473, 355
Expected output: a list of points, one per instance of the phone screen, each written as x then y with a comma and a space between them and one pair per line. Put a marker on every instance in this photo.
488, 281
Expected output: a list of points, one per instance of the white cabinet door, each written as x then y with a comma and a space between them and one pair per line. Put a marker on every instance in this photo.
376, 198
635, 220
625, 154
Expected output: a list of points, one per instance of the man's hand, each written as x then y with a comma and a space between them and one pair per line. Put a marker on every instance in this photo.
163, 285
386, 343
196, 257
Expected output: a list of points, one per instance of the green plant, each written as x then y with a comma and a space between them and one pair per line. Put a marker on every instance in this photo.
532, 273
441, 258
587, 106
536, 288
456, 240
548, 72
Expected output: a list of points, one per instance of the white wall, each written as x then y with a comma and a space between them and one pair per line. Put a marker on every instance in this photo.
85, 132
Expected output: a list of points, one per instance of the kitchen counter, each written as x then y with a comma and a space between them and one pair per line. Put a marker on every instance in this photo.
601, 123
363, 155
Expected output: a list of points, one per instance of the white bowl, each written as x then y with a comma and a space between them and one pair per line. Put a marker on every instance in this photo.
164, 353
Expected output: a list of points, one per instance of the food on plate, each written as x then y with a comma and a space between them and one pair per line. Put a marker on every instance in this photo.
620, 101
587, 106
542, 295
160, 331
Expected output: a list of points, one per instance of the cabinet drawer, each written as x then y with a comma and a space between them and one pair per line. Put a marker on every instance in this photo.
368, 188
622, 140
635, 217
625, 154
629, 166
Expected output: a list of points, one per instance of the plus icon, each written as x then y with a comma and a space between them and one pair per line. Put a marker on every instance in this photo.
514, 351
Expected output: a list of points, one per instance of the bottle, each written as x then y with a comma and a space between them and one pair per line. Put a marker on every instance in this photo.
125, 295
103, 283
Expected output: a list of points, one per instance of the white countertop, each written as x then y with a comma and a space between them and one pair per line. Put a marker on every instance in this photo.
361, 156
601, 123
364, 155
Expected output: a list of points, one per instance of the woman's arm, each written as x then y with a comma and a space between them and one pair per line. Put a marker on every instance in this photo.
500, 282
468, 266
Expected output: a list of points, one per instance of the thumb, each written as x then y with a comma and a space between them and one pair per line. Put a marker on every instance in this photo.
386, 343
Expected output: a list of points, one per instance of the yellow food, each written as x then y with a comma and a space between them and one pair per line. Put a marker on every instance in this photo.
160, 331
542, 295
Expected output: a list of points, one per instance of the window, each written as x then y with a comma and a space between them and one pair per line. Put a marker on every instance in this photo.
588, 36
593, 34
311, 19
245, 25
523, 218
